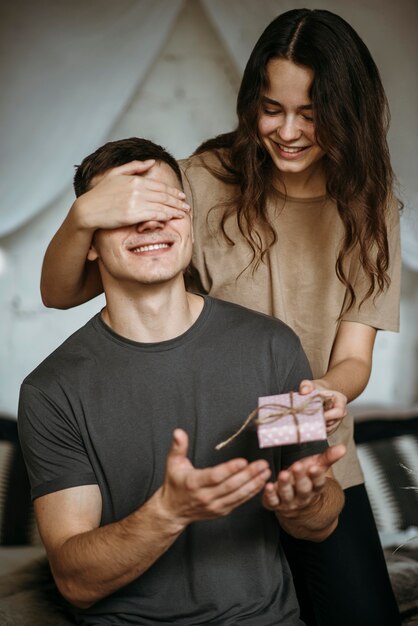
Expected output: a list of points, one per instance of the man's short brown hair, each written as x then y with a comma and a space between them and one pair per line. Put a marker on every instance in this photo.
116, 153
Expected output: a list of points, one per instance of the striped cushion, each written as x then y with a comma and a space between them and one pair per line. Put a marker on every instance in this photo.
390, 463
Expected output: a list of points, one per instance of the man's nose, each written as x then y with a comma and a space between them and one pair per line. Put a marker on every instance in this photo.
143, 227
289, 130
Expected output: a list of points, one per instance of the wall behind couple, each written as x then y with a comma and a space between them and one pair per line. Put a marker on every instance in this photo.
76, 74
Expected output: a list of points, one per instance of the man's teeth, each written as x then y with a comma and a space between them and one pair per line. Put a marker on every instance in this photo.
291, 150
153, 246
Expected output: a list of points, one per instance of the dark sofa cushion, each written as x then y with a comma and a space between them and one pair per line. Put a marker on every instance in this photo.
17, 523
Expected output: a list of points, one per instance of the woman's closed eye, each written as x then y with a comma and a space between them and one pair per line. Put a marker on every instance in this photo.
269, 111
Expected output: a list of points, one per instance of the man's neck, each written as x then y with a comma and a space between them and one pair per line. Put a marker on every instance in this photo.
152, 313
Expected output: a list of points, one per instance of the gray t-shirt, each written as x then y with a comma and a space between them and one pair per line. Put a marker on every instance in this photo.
101, 410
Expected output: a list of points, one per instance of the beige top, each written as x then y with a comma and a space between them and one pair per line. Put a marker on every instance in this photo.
297, 283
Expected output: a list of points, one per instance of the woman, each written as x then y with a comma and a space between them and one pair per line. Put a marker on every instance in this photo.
294, 216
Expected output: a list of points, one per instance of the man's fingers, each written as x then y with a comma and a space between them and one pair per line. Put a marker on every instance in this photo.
295, 484
321, 462
252, 477
303, 485
270, 498
285, 492
285, 486
231, 475
331, 455
227, 500
318, 478
179, 444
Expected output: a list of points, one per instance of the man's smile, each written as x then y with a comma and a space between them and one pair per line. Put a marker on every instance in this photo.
151, 247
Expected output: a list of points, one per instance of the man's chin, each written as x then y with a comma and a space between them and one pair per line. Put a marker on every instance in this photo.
160, 276
157, 278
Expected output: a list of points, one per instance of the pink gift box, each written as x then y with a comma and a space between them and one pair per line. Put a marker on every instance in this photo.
304, 421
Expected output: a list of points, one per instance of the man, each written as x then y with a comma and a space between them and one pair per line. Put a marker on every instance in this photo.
144, 522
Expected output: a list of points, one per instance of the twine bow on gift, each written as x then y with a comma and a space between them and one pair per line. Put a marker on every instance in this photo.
281, 410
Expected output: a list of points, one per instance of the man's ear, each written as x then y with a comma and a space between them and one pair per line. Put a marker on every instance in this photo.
92, 254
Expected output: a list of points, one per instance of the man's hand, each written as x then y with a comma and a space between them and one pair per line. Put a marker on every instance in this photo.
189, 494
304, 497
298, 485
335, 403
125, 195
90, 562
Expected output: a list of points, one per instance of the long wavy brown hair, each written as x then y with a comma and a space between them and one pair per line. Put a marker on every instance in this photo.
351, 119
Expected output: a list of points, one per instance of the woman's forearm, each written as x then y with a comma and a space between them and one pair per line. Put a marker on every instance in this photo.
351, 360
67, 278
349, 377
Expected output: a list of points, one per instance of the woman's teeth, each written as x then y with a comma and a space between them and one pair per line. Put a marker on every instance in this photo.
291, 150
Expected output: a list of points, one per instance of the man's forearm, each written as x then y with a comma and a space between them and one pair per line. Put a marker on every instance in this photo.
319, 518
92, 565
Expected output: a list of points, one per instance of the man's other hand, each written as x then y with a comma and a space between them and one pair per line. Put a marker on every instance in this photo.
300, 485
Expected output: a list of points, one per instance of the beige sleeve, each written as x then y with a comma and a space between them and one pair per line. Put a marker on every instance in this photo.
192, 276
382, 311
186, 183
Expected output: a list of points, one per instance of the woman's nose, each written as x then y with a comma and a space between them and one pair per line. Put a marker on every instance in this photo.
289, 129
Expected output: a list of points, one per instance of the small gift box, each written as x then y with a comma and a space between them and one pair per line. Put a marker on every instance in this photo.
290, 418
284, 419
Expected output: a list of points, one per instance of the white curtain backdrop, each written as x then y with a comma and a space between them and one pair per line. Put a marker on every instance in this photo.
76, 73
68, 70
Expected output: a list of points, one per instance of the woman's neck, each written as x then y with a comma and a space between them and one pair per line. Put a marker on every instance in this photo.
310, 183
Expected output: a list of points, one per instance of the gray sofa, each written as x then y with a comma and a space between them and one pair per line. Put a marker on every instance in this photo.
28, 596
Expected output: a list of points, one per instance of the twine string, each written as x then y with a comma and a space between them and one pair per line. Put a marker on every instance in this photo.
280, 411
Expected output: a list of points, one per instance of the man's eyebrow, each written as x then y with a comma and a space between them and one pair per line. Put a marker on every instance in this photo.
302, 107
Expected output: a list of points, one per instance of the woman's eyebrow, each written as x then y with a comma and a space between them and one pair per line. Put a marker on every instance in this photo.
271, 101
302, 107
